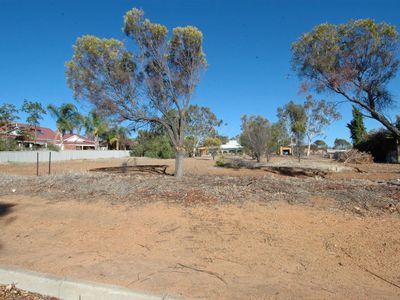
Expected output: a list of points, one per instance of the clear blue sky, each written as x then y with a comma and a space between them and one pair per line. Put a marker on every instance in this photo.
247, 44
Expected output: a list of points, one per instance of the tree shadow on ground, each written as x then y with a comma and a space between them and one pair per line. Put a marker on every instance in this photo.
5, 209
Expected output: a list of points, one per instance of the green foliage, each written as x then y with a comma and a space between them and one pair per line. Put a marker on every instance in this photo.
152, 145
357, 128
341, 144
67, 117
8, 145
356, 60
35, 112
8, 113
52, 147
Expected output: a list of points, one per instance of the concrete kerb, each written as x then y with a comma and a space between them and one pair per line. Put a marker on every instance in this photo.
68, 289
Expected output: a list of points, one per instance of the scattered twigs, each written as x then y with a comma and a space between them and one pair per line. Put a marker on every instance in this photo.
202, 271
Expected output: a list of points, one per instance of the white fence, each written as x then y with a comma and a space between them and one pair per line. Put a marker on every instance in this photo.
30, 156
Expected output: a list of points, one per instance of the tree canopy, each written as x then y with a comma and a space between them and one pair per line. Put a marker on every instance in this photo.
341, 144
356, 60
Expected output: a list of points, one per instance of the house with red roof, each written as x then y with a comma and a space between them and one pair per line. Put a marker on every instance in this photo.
76, 142
29, 137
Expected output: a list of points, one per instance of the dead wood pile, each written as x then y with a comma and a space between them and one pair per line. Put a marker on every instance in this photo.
354, 156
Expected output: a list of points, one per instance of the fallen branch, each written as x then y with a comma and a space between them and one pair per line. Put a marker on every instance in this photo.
144, 246
169, 230
370, 272
202, 271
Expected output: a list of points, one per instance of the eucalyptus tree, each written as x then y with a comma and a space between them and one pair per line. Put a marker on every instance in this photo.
356, 60
35, 112
145, 85
295, 118
67, 119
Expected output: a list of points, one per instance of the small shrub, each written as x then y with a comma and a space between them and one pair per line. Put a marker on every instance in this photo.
52, 147
220, 162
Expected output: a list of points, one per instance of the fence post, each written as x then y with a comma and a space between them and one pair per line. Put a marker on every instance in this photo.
37, 163
49, 162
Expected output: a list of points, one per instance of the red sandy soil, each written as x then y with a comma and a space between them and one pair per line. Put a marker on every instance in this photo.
250, 251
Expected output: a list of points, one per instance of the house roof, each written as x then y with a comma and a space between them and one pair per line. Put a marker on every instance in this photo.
43, 134
231, 145
76, 139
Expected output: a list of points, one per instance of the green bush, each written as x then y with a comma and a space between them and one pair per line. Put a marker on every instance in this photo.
8, 145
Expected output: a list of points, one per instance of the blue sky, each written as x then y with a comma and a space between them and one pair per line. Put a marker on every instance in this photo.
247, 44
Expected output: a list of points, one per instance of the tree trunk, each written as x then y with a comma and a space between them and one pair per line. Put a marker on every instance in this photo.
180, 155
309, 147
96, 142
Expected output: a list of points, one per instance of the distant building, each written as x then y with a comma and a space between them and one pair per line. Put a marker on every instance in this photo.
40, 137
285, 150
231, 146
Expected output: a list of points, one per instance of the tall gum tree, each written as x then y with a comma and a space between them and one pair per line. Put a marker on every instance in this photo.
145, 86
356, 60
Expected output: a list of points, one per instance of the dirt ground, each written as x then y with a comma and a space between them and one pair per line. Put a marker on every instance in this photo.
199, 166
239, 234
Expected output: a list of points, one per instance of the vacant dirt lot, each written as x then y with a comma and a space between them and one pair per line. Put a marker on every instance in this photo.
238, 234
